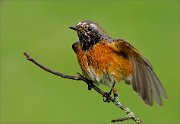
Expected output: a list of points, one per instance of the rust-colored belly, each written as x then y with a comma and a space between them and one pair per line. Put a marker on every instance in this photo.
103, 65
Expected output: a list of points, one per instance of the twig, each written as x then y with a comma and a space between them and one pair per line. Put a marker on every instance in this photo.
49, 70
130, 114
79, 77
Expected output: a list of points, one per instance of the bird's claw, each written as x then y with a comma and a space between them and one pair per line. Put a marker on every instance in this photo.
89, 86
106, 97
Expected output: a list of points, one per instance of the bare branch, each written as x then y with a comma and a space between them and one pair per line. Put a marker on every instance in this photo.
114, 99
49, 70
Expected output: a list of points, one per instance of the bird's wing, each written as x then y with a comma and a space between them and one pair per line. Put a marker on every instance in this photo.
144, 81
75, 46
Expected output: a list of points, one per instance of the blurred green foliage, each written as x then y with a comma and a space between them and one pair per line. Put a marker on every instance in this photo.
30, 95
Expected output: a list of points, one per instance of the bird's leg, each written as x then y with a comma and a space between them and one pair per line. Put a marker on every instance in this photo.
89, 82
89, 85
108, 94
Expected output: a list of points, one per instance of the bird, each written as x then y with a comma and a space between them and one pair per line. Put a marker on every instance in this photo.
108, 61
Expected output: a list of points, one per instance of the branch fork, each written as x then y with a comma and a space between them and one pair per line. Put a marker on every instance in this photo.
114, 99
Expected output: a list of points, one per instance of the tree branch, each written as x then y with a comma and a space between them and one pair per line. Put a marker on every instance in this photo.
79, 77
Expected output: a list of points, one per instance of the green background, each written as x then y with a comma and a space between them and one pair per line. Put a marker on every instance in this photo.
30, 95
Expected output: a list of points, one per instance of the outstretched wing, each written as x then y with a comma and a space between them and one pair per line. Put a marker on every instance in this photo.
144, 81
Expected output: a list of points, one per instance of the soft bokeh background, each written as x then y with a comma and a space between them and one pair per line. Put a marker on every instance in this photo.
30, 95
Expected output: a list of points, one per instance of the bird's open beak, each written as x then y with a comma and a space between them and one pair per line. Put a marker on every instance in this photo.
73, 28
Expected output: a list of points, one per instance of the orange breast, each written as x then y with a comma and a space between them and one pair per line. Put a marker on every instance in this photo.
102, 61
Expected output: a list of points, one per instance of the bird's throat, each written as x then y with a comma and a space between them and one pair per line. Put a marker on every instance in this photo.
88, 42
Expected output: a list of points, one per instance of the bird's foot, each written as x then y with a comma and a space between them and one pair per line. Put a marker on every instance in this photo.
106, 97
90, 85
89, 82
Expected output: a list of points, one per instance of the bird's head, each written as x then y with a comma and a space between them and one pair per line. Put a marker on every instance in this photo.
89, 33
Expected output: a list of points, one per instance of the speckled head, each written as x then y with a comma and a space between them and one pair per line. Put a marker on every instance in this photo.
89, 33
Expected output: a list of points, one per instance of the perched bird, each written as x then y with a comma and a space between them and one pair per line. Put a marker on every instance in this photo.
105, 60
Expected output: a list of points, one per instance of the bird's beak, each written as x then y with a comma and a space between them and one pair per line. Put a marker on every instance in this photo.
73, 28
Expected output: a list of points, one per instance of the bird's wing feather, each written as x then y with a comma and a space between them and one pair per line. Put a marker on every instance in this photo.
75, 46
144, 81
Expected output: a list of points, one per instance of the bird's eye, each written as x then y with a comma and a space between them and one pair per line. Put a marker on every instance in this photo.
90, 28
